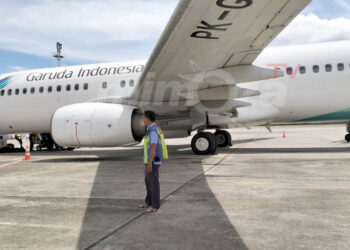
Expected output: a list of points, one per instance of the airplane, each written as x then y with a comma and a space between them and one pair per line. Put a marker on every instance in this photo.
212, 69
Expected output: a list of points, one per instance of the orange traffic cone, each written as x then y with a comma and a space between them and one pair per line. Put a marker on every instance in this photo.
284, 134
27, 155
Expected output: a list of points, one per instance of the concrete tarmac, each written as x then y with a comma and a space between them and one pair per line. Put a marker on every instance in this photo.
265, 192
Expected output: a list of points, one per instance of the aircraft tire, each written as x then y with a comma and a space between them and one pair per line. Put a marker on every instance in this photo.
204, 143
223, 138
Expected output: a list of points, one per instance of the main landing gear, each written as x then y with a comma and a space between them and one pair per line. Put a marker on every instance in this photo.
206, 143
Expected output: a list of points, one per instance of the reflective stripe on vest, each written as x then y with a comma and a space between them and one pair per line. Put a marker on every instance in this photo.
145, 149
164, 147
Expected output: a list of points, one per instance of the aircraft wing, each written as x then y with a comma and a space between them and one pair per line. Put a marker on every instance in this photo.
206, 35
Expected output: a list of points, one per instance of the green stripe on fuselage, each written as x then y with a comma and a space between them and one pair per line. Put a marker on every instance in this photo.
335, 116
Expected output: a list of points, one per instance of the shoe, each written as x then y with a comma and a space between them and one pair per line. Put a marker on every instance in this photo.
151, 211
143, 206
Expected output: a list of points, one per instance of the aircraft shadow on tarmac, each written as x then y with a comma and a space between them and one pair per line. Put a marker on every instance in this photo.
234, 142
191, 219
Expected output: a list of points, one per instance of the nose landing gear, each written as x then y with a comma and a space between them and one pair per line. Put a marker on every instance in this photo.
347, 137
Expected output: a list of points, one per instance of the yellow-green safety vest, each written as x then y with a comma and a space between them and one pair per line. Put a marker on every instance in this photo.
164, 147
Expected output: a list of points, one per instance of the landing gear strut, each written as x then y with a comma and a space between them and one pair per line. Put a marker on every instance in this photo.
205, 143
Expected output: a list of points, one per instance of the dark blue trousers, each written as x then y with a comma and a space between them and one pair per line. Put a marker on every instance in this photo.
152, 187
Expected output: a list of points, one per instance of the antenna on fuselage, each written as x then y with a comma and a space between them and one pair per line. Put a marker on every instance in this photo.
59, 56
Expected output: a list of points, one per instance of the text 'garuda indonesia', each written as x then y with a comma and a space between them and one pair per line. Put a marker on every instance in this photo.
99, 71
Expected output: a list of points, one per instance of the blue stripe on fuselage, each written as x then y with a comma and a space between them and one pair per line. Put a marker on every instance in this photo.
335, 116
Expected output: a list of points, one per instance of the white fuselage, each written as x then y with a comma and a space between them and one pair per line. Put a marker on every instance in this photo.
287, 99
32, 112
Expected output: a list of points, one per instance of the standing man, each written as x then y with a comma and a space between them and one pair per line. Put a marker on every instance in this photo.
154, 152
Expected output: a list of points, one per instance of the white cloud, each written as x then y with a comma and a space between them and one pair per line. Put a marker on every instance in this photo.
15, 68
112, 30
312, 29
343, 4
93, 30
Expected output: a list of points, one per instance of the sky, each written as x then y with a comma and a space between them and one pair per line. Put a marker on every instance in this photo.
94, 31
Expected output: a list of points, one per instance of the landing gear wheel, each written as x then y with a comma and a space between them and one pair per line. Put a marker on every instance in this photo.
204, 144
347, 138
216, 144
223, 138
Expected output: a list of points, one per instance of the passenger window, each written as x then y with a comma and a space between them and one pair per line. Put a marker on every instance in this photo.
17, 91
41, 90
86, 86
68, 87
2, 93
24, 91
328, 67
316, 69
302, 70
32, 90
59, 88
49, 89
132, 83
76, 87
341, 67
289, 70
122, 84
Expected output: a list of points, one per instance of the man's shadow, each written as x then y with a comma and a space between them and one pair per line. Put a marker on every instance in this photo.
190, 217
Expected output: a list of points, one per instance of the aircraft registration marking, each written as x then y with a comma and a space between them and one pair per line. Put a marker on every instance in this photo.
205, 30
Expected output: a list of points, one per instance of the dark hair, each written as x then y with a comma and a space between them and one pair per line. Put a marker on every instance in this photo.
150, 115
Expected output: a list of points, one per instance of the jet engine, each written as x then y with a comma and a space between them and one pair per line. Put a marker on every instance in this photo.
97, 125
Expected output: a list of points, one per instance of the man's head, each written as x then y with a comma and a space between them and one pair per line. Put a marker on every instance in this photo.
149, 117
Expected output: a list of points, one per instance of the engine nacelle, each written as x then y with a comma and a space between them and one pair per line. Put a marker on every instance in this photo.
97, 125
